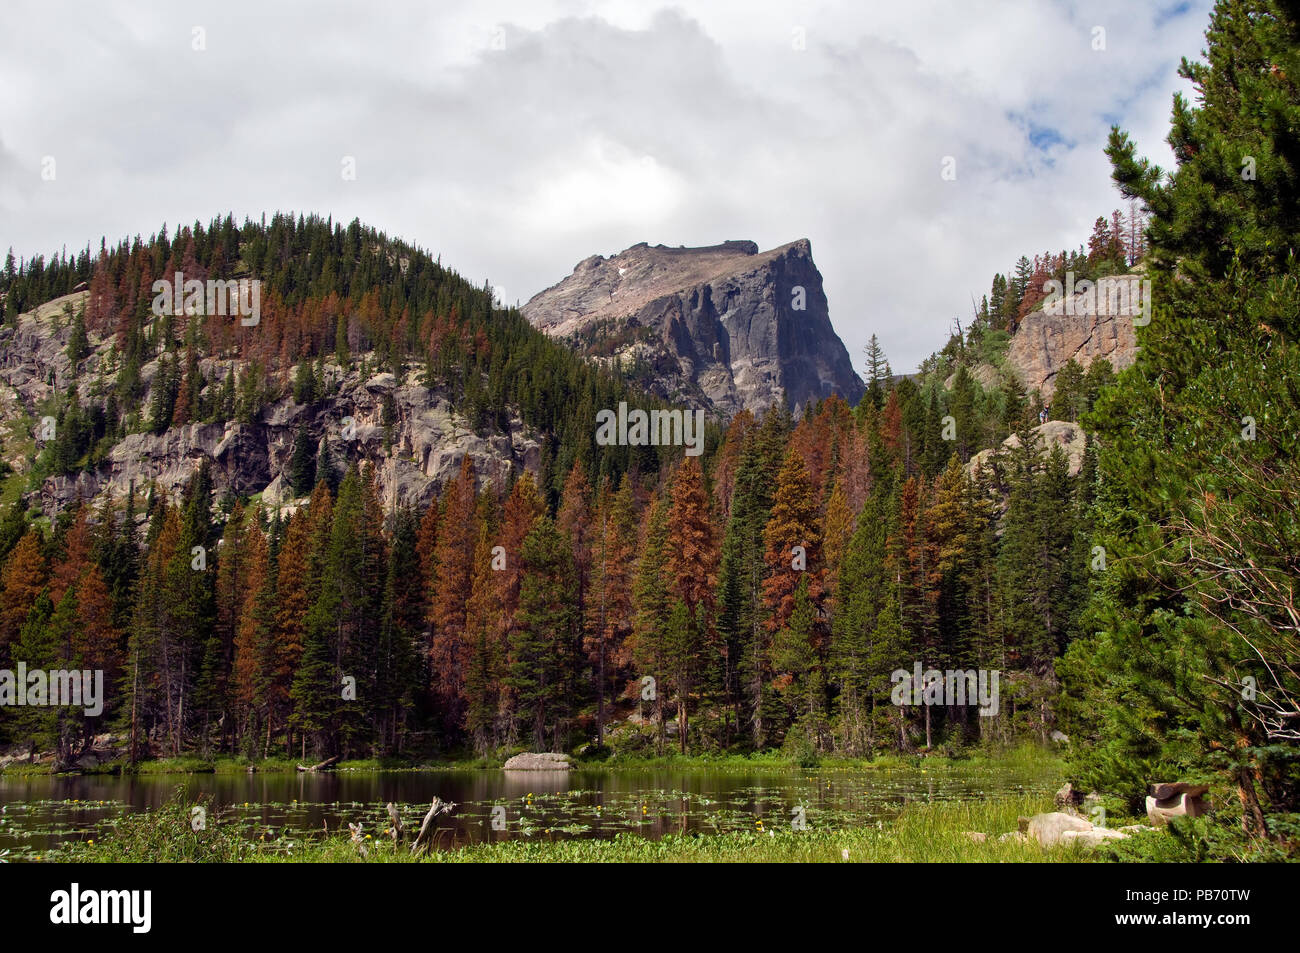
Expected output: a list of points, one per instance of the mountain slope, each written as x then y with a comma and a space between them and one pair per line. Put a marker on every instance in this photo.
365, 348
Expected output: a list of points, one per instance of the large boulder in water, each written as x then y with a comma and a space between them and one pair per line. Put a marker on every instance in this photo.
544, 761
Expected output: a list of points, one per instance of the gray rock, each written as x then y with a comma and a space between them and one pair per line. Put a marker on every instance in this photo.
426, 444
23, 757
1068, 797
1048, 828
539, 761
1090, 838
1070, 437
719, 324
1048, 338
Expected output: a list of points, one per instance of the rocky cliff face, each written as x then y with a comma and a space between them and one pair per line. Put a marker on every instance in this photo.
414, 455
1069, 438
720, 328
1081, 326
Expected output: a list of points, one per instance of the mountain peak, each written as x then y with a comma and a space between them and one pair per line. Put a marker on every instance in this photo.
723, 326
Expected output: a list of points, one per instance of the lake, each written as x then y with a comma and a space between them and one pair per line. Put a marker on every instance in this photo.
38, 812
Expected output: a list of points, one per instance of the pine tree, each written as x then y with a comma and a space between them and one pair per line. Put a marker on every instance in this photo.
797, 665
302, 466
792, 543
522, 510
742, 624
609, 609
403, 612
836, 531
1187, 493
294, 597
878, 372
856, 655
542, 645
484, 656
250, 678
78, 344
1070, 398
692, 556
651, 602
452, 587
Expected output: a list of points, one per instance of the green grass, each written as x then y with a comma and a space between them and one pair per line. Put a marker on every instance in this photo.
18, 443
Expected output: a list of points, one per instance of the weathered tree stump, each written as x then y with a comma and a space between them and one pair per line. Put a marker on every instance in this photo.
1175, 799
423, 839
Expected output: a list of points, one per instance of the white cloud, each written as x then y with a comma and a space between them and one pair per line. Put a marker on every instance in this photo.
517, 138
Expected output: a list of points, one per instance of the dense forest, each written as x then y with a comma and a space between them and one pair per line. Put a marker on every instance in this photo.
1140, 597
767, 589
688, 575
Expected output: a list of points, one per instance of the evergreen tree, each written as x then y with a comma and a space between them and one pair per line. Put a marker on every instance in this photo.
1187, 491
302, 466
651, 601
542, 646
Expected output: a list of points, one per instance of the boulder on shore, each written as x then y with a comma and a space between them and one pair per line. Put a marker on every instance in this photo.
1048, 828
539, 761
1090, 838
1061, 829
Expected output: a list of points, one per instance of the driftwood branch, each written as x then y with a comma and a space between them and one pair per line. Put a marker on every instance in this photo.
439, 806
396, 822
321, 766
358, 839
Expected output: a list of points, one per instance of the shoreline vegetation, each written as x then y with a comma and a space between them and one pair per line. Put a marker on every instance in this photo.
774, 760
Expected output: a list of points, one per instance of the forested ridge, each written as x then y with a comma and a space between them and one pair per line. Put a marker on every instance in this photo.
333, 297
1140, 598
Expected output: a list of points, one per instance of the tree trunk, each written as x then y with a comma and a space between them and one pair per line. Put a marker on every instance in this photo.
135, 692
681, 721
1252, 815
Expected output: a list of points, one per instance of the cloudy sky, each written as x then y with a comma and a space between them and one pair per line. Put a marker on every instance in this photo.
517, 138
